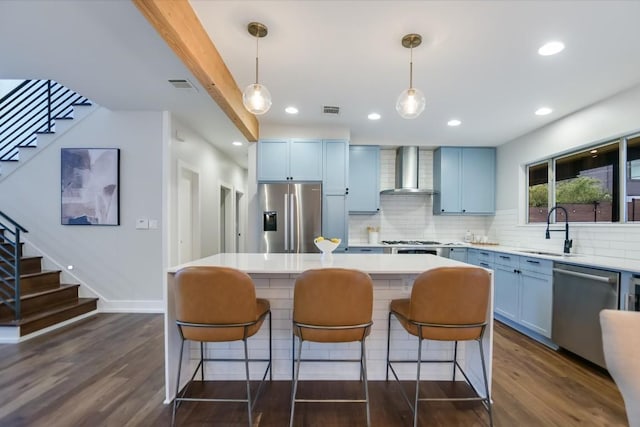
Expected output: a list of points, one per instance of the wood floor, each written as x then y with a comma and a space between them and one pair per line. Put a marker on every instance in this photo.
108, 371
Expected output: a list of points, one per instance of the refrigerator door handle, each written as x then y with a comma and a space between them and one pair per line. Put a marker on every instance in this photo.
286, 222
293, 224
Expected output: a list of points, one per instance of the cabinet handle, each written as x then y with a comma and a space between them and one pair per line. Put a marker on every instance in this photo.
533, 262
484, 264
441, 210
378, 209
365, 250
464, 210
484, 253
505, 257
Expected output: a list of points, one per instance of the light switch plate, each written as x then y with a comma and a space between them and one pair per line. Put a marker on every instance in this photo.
142, 224
153, 224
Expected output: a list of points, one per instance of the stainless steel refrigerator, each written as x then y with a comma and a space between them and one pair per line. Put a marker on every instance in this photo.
291, 216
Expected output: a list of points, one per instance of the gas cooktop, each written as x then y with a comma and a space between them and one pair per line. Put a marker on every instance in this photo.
410, 242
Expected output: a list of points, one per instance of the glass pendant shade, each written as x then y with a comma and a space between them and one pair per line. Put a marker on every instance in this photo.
410, 103
257, 99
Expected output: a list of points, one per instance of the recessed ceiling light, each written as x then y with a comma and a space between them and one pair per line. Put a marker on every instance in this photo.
237, 143
543, 111
551, 48
291, 110
374, 116
454, 122
593, 151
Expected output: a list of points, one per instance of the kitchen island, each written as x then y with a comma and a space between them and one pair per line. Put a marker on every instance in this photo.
274, 276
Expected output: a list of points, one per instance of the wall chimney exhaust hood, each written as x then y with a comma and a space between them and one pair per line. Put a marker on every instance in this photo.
407, 160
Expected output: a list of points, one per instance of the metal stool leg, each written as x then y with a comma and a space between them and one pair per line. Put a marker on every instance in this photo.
363, 363
455, 358
415, 406
175, 399
295, 384
270, 348
201, 361
486, 383
388, 345
246, 366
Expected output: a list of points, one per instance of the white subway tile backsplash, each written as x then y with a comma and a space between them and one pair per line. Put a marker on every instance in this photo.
619, 240
411, 217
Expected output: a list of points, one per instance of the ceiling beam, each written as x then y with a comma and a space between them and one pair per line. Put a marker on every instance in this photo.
181, 29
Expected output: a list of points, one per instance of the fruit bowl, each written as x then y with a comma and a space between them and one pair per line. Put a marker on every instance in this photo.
326, 246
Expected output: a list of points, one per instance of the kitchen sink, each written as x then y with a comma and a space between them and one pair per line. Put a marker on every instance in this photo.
546, 253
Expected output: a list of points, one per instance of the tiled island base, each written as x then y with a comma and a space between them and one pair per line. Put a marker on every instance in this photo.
278, 287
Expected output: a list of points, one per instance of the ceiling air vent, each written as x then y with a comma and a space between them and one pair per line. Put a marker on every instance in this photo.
330, 110
182, 84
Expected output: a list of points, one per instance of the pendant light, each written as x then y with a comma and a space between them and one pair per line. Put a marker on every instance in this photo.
256, 97
411, 102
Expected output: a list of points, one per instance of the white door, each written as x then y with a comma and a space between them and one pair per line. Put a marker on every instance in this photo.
188, 215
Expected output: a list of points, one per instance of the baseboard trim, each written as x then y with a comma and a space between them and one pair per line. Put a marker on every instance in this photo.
13, 336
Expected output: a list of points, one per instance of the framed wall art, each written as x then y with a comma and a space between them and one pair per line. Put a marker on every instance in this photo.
90, 186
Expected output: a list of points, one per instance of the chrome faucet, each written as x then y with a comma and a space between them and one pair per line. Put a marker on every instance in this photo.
567, 243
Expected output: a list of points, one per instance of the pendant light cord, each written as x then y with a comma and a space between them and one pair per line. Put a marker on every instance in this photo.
411, 69
257, 39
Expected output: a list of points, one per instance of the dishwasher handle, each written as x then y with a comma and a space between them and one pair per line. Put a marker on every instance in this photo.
585, 275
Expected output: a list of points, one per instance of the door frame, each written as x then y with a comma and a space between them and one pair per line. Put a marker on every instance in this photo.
229, 215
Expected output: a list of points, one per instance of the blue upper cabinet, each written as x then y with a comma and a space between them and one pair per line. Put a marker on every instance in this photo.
364, 179
305, 160
446, 180
479, 180
464, 180
336, 167
290, 160
273, 160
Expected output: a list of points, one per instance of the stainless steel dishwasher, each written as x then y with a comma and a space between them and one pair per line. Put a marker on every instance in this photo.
579, 293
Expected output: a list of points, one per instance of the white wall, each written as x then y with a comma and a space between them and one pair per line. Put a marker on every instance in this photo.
619, 115
122, 264
411, 217
613, 117
214, 168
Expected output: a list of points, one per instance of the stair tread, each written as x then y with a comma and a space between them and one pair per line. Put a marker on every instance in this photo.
63, 286
38, 273
49, 312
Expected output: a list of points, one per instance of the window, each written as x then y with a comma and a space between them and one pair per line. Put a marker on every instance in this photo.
587, 184
633, 179
538, 192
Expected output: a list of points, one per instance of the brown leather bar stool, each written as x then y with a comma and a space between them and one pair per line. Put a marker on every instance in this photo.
446, 304
218, 304
332, 305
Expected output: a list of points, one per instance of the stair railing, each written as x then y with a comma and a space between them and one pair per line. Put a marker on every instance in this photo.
31, 108
10, 253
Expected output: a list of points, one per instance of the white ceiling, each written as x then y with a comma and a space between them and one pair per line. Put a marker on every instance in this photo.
478, 62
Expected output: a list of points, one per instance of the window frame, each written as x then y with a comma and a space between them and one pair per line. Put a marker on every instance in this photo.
551, 181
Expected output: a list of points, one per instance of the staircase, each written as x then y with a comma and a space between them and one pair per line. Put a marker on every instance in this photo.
29, 110
39, 300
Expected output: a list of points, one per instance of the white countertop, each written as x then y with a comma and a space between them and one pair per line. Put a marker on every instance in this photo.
620, 264
297, 263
